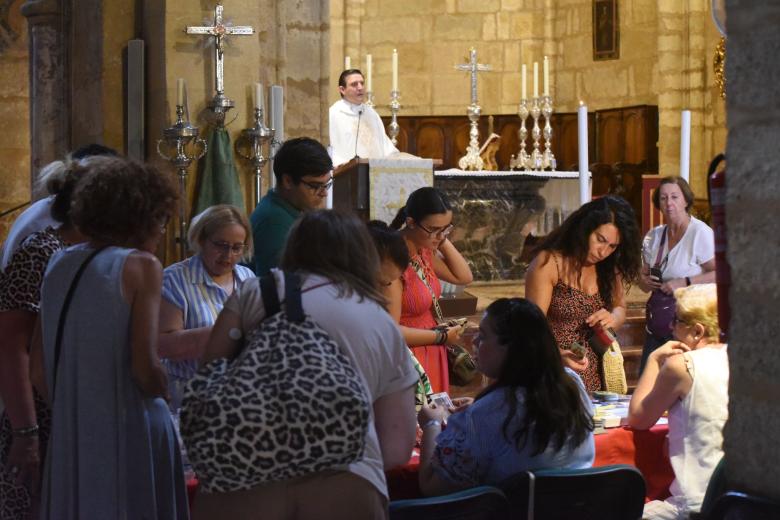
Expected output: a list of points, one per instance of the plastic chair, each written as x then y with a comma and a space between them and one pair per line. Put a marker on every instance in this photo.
738, 506
615, 492
479, 503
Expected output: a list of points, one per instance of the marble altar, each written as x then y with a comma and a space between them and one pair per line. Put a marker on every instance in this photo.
494, 212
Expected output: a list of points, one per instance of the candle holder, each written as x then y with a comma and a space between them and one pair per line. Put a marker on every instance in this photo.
522, 160
472, 160
249, 146
536, 135
393, 129
178, 138
548, 159
370, 99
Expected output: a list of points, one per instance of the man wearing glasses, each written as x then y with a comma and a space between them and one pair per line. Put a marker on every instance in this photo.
304, 174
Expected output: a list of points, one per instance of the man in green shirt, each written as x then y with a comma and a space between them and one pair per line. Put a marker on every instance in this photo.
304, 174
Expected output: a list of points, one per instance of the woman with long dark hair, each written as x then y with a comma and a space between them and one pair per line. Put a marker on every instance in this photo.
578, 276
425, 223
536, 414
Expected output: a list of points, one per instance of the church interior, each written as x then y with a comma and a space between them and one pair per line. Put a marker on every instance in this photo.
113, 72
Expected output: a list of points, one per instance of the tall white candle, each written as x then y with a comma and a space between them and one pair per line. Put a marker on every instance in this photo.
582, 142
259, 96
395, 69
536, 79
685, 144
546, 69
522, 82
180, 91
347, 63
368, 73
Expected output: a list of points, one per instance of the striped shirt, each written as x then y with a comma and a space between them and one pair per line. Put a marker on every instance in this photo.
188, 287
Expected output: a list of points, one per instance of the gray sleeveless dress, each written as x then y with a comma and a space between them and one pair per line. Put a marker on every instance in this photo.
112, 453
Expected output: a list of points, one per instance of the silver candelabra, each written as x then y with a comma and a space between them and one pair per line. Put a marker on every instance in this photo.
537, 159
472, 160
393, 129
182, 138
249, 146
369, 98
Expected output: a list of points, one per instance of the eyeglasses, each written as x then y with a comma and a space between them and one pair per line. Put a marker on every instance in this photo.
438, 232
318, 187
227, 248
677, 320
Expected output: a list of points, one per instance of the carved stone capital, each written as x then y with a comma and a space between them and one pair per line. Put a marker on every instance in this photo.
41, 9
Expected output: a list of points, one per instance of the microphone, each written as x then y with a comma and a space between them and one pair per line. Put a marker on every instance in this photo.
357, 134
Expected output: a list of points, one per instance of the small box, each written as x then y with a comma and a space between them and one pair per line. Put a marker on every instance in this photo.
456, 305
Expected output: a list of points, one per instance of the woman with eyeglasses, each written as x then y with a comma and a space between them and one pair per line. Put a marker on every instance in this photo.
689, 377
425, 223
676, 254
195, 289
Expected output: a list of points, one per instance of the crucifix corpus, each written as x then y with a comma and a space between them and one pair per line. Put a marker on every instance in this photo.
472, 160
220, 104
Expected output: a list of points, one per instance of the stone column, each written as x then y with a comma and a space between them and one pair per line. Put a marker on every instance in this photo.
49, 83
752, 199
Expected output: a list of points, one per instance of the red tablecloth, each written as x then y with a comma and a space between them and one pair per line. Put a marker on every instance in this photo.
643, 449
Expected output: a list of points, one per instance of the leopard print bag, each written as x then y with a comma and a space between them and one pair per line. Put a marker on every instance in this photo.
289, 404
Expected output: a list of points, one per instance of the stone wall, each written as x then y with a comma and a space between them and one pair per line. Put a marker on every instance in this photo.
14, 112
665, 59
753, 196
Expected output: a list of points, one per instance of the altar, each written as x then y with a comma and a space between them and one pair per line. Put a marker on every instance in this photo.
494, 212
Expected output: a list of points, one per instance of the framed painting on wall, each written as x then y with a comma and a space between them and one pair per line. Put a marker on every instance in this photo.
606, 30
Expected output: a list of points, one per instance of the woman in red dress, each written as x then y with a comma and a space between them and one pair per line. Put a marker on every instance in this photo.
425, 223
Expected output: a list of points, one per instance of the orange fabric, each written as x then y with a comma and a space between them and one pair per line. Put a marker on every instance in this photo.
417, 312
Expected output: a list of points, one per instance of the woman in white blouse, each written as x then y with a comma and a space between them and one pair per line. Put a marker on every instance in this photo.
681, 251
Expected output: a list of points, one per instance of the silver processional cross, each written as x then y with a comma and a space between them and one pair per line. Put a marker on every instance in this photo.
219, 31
472, 160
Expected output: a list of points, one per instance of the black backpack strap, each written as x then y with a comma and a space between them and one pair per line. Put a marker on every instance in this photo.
64, 315
292, 297
270, 295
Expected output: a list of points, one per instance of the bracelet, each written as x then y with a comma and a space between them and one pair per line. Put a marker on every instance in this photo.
432, 422
687, 281
29, 431
441, 337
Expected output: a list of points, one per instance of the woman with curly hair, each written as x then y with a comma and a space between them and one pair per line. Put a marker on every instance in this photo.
578, 276
112, 451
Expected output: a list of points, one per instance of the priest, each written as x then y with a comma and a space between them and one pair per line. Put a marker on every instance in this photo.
355, 128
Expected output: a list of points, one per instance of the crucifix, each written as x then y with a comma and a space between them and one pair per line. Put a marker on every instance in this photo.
472, 160
219, 31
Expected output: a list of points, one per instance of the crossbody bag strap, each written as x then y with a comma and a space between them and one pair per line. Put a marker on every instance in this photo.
64, 315
659, 256
421, 275
270, 295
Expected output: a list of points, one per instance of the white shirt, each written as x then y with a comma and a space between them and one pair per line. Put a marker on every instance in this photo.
35, 218
371, 141
696, 247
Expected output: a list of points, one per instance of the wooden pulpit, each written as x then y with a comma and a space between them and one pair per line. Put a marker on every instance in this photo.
351, 188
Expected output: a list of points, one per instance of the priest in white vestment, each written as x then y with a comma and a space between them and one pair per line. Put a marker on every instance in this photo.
355, 128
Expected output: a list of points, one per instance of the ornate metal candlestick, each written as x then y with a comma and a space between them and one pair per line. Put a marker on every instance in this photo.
249, 146
522, 160
536, 134
369, 99
548, 159
472, 160
393, 128
178, 137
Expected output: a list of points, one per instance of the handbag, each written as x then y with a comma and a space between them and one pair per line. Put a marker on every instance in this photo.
460, 365
660, 307
613, 371
289, 404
